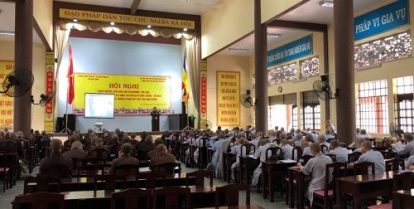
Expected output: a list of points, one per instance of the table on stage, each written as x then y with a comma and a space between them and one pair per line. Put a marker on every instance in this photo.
363, 187
403, 199
270, 170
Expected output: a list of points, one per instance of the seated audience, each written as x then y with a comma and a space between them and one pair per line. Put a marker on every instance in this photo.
341, 154
76, 151
48, 164
329, 135
358, 144
315, 166
238, 152
98, 145
260, 153
409, 147
161, 157
306, 148
364, 134
286, 149
124, 158
153, 152
147, 145
369, 155
256, 140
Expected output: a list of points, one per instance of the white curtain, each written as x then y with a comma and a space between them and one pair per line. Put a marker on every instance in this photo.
193, 64
62, 37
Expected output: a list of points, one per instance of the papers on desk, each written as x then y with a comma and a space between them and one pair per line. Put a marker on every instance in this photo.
288, 161
251, 156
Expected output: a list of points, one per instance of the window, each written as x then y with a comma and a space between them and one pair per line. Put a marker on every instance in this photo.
404, 109
283, 111
372, 107
311, 111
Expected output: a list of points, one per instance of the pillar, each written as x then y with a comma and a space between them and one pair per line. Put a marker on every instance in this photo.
345, 72
23, 51
261, 84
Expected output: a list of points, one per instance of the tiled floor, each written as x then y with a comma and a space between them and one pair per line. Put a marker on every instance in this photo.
255, 198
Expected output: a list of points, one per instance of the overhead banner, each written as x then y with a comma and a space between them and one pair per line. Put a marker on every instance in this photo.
134, 95
127, 19
290, 51
228, 102
6, 102
382, 19
203, 85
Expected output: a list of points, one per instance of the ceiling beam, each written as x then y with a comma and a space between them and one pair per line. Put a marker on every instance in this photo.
298, 25
134, 6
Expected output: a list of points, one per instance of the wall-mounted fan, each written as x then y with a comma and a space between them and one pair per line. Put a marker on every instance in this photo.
322, 89
44, 99
21, 78
394, 129
246, 100
206, 124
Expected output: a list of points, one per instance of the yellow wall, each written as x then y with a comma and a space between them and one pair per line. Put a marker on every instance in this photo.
231, 20
227, 63
43, 15
7, 53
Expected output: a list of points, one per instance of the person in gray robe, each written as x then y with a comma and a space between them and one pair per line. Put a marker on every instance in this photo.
317, 167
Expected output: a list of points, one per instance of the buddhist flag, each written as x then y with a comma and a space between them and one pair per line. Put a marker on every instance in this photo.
184, 85
71, 87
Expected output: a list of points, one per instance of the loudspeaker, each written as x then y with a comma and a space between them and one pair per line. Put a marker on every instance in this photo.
59, 124
71, 121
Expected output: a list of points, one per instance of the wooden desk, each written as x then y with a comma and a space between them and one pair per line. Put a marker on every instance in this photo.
239, 207
270, 171
403, 199
363, 187
87, 183
201, 196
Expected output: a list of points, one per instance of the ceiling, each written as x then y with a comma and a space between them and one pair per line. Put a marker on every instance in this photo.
310, 11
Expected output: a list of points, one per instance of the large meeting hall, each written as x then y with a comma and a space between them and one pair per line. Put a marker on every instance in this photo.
248, 104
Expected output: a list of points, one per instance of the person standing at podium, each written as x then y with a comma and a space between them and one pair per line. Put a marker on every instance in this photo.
155, 114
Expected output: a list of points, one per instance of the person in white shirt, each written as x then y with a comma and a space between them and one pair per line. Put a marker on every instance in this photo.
260, 153
369, 155
255, 141
358, 144
330, 127
322, 141
286, 149
409, 162
238, 152
364, 134
341, 154
409, 147
317, 167
329, 135
306, 148
216, 148
272, 135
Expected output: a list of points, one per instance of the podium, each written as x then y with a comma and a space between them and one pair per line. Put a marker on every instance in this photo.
155, 122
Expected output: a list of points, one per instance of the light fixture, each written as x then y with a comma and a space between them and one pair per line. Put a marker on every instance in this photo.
7, 33
75, 20
273, 35
149, 26
329, 4
238, 49
185, 29
112, 23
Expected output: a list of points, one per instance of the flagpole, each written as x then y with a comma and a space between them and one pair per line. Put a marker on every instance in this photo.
66, 114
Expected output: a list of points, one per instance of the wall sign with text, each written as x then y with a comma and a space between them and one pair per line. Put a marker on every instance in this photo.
6, 102
203, 83
228, 98
382, 19
290, 51
134, 95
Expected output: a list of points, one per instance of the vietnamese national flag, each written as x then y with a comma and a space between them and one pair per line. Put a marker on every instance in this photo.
71, 87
